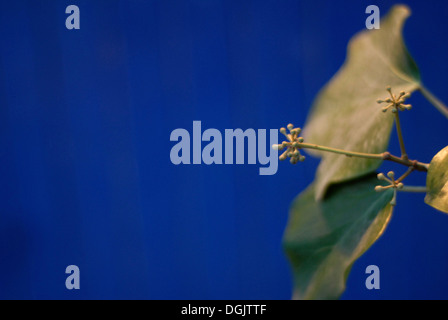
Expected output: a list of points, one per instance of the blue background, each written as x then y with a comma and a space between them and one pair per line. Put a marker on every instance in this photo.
85, 121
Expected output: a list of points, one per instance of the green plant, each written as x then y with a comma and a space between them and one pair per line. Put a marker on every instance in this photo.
348, 206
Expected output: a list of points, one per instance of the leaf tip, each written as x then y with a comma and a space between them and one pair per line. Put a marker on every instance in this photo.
401, 9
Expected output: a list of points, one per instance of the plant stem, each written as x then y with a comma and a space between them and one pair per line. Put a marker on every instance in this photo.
414, 189
434, 101
419, 166
378, 156
404, 155
406, 174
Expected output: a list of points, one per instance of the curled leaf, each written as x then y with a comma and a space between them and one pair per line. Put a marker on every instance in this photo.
437, 182
345, 114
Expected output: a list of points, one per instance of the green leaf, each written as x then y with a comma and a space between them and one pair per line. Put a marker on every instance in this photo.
345, 114
324, 238
437, 182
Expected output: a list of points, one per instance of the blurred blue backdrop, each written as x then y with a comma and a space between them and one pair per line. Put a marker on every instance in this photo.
85, 121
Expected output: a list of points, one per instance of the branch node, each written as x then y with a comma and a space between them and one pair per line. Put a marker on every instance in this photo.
387, 155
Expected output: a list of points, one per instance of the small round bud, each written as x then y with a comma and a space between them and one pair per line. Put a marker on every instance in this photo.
276, 146
300, 140
302, 158
394, 110
379, 101
293, 160
381, 176
290, 126
388, 88
379, 188
400, 185
391, 174
296, 131
283, 130
283, 157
